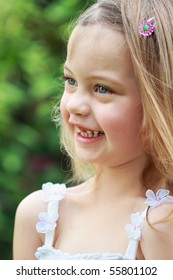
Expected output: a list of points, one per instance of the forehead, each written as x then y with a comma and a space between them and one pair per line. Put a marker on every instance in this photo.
101, 38
100, 43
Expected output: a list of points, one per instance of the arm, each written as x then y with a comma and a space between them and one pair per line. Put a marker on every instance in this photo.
26, 239
157, 237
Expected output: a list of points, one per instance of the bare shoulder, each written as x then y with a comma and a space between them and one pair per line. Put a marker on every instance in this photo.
31, 205
26, 219
157, 237
161, 215
34, 199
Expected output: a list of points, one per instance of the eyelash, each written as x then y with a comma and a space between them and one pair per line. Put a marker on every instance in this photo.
67, 79
108, 91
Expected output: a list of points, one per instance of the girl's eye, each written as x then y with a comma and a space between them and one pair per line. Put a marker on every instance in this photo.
70, 81
103, 90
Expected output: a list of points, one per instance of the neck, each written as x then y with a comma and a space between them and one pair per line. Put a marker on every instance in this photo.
124, 180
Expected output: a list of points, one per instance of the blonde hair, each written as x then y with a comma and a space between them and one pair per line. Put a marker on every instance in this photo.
152, 58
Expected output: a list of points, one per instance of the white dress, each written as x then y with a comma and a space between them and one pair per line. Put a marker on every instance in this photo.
53, 193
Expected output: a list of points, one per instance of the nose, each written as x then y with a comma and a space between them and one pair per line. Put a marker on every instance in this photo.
78, 104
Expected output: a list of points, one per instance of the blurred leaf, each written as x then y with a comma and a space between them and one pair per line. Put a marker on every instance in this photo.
34, 35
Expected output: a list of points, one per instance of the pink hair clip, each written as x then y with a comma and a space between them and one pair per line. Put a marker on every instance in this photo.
146, 28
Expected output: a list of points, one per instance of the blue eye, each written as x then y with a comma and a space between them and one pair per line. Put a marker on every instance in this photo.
70, 81
103, 90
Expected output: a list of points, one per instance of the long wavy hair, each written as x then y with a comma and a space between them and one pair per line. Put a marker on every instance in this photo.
152, 58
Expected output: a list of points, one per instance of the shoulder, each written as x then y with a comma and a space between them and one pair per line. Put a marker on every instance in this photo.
31, 205
27, 213
157, 237
36, 202
25, 226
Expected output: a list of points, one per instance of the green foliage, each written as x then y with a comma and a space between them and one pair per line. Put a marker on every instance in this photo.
32, 52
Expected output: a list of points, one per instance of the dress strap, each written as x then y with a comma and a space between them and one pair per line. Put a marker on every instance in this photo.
131, 250
53, 207
144, 213
134, 231
52, 194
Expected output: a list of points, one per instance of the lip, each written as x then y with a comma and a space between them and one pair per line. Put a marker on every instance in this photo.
82, 139
76, 124
87, 140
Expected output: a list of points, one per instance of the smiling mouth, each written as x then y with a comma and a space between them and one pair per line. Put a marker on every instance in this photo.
89, 133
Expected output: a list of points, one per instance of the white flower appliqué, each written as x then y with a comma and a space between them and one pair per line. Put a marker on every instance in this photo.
53, 192
47, 222
162, 196
134, 229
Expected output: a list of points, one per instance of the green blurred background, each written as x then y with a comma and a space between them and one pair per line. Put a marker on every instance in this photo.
33, 37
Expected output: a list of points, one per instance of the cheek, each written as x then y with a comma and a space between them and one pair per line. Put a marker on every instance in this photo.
123, 123
63, 108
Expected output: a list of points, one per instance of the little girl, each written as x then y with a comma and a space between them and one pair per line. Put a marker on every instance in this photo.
117, 127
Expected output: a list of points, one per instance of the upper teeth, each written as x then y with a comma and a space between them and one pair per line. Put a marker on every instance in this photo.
89, 133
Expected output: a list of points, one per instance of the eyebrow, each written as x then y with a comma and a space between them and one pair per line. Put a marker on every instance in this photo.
66, 68
101, 77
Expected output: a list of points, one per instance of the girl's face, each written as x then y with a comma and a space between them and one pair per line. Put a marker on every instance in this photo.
101, 103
